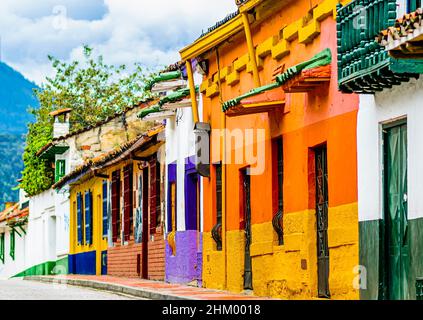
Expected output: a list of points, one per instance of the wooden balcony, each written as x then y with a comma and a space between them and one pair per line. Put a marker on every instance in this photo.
364, 66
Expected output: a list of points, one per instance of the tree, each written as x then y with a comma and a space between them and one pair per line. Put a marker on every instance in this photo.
93, 90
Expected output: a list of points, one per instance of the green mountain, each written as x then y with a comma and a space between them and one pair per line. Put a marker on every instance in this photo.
16, 96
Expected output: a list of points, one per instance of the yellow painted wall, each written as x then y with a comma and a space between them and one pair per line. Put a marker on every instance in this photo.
278, 271
95, 185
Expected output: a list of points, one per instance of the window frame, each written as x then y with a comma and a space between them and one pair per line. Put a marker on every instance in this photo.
88, 218
60, 169
105, 209
278, 167
12, 244
2, 247
79, 218
218, 171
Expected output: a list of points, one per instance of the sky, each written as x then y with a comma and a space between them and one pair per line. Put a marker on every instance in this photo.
123, 31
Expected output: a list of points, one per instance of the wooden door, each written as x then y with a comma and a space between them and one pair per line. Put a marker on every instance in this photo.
397, 251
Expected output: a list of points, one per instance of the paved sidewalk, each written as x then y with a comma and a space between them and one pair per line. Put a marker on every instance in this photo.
154, 290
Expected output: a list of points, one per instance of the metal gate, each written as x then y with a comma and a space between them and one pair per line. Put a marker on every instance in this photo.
248, 268
322, 206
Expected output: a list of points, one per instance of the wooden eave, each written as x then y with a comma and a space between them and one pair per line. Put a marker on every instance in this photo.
409, 47
212, 39
264, 102
185, 103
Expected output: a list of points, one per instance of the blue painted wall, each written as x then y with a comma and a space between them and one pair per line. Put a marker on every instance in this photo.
83, 263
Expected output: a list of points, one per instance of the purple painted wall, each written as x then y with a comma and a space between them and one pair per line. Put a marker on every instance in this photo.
191, 185
186, 265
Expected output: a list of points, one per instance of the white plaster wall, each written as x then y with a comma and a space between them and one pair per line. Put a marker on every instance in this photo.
401, 101
12, 267
180, 145
62, 211
40, 247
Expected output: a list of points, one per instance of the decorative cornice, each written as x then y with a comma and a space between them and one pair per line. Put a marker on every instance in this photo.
276, 46
321, 59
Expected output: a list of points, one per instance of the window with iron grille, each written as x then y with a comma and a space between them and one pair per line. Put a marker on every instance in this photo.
2, 247
419, 289
159, 194
278, 166
217, 229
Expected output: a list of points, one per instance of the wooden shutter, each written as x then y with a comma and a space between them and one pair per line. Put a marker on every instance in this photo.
12, 244
59, 170
153, 195
79, 217
158, 195
105, 209
2, 247
88, 218
115, 204
127, 200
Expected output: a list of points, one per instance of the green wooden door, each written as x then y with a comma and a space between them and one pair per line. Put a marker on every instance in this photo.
396, 223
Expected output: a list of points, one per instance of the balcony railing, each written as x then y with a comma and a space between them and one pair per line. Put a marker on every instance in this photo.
363, 65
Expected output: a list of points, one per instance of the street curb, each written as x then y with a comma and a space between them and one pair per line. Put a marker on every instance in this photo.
110, 287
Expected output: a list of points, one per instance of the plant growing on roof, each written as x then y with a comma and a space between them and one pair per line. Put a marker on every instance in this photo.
94, 91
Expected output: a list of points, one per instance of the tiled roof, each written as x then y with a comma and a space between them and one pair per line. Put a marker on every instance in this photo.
44, 148
102, 122
13, 213
220, 23
4, 214
96, 125
403, 29
101, 161
163, 76
59, 112
241, 2
228, 18
173, 67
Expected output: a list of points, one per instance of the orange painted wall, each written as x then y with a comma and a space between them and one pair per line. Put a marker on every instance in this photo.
308, 119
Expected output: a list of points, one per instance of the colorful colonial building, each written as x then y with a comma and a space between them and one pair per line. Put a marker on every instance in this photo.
280, 205
183, 219
48, 221
115, 199
13, 239
386, 75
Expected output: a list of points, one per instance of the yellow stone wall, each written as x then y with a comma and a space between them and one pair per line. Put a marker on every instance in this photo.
99, 244
288, 271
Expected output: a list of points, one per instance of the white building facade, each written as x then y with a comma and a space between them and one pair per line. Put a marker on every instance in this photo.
387, 75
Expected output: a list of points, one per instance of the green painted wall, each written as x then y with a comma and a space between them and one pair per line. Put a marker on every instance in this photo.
369, 251
46, 268
371, 255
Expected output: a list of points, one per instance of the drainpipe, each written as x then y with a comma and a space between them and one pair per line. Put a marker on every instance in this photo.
223, 150
224, 244
251, 49
194, 103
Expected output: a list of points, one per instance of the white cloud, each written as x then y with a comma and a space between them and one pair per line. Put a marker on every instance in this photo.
124, 31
